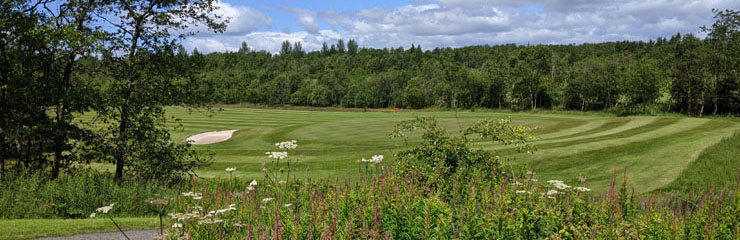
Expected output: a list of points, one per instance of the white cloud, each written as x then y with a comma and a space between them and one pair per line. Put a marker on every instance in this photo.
455, 23
243, 19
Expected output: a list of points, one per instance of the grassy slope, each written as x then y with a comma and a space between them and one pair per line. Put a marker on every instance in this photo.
653, 149
718, 166
34, 228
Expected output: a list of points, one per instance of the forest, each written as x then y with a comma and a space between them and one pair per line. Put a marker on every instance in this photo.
683, 74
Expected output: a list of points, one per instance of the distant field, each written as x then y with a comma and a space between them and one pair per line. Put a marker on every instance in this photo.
655, 150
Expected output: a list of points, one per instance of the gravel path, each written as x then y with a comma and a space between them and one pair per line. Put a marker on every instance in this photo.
134, 235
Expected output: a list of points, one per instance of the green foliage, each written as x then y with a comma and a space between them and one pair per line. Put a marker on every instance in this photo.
441, 159
391, 206
28, 195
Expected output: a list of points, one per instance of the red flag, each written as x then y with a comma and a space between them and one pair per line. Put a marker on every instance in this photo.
395, 109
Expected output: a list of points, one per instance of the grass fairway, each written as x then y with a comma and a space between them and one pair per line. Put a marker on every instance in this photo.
655, 150
34, 228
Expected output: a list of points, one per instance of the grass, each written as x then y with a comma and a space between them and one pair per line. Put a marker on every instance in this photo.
718, 166
659, 152
35, 228
653, 149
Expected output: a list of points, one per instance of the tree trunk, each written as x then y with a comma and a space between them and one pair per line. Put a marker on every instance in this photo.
61, 124
3, 80
123, 125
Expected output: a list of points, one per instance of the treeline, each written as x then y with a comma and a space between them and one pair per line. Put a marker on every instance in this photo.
109, 59
682, 74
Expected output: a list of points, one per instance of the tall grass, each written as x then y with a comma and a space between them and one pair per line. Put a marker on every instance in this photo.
716, 167
390, 206
25, 195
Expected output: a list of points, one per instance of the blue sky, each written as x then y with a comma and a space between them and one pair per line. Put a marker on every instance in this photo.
452, 23
284, 19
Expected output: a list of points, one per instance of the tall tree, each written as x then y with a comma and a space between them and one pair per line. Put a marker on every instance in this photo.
144, 32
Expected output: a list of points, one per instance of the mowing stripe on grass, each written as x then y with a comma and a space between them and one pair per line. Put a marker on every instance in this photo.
601, 128
651, 162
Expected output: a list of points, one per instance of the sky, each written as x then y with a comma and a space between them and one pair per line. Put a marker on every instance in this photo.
265, 24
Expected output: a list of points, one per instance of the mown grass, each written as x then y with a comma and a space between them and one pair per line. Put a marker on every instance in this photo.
35, 228
716, 167
332, 142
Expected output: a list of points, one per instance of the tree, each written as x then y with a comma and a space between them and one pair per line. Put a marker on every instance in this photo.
244, 49
723, 41
78, 40
352, 47
285, 48
340, 46
143, 36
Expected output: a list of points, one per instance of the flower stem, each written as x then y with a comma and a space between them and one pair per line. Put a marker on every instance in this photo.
119, 227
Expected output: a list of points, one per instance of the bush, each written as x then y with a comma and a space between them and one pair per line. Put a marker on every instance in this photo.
73, 196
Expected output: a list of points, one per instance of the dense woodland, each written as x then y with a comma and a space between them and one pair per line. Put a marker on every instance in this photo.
682, 74
123, 62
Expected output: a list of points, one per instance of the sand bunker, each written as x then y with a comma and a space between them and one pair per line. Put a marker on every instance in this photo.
210, 137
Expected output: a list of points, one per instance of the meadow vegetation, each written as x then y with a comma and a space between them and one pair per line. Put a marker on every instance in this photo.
96, 100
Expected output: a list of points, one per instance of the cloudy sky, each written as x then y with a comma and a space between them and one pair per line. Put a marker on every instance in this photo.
264, 24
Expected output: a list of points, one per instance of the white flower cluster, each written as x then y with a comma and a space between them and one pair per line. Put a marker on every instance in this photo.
265, 200
522, 192
292, 144
582, 189
558, 184
210, 221
552, 192
183, 216
277, 155
195, 196
105, 209
252, 185
229, 170
231, 207
374, 159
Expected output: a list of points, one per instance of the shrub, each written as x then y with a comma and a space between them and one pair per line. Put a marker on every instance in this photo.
73, 196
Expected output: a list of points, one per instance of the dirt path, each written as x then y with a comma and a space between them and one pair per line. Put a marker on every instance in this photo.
133, 235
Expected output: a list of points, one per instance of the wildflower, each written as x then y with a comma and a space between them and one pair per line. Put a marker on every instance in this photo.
531, 173
210, 221
532, 180
292, 144
377, 158
288, 205
582, 189
558, 184
374, 159
521, 192
177, 225
552, 192
229, 170
92, 215
237, 224
265, 200
105, 209
281, 181
195, 196
516, 184
277, 155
